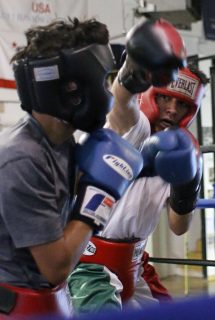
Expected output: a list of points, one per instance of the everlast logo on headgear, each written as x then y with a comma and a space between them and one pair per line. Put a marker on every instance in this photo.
185, 85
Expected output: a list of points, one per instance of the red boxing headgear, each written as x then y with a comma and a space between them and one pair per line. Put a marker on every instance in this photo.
187, 87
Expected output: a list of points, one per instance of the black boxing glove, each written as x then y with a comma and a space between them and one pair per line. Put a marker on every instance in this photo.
155, 51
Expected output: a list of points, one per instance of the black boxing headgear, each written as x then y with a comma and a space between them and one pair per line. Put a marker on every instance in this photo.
188, 88
42, 85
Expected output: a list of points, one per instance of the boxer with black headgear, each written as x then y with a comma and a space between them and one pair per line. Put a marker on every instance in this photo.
49, 81
47, 215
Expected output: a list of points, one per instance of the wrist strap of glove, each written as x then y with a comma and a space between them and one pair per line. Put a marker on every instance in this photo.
183, 198
133, 79
92, 206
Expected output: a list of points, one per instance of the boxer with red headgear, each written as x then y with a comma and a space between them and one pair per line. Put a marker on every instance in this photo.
111, 271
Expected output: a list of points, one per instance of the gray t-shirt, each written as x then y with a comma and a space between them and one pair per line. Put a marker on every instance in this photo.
35, 194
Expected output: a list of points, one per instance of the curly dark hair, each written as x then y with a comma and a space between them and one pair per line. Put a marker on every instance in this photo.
47, 41
199, 73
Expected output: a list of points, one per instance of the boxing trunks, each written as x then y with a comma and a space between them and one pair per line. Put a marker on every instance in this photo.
121, 257
23, 302
151, 277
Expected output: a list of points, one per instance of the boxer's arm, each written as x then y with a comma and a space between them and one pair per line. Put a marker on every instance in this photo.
57, 259
183, 197
125, 113
179, 224
148, 61
173, 155
109, 165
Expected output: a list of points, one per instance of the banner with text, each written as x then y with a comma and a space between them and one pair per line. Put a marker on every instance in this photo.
18, 16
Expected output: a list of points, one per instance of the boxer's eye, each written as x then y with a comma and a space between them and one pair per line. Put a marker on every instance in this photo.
71, 86
72, 89
107, 84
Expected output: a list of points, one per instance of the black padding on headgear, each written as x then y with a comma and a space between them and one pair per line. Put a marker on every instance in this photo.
46, 81
22, 85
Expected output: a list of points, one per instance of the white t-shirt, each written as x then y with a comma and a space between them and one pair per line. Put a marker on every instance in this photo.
138, 212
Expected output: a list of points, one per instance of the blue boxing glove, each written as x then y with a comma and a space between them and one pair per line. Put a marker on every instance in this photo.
168, 154
173, 155
109, 165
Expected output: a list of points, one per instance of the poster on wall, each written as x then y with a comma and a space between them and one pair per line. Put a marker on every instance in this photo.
18, 16
208, 16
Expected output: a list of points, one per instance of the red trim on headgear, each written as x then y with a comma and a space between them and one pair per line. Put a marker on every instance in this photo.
187, 87
168, 31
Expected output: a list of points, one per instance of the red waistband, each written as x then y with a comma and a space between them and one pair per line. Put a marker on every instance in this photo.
29, 302
122, 258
